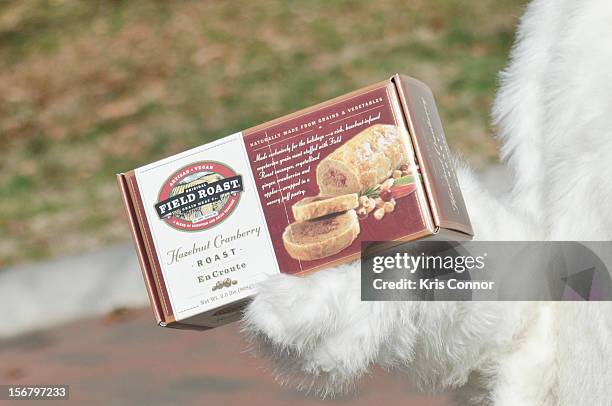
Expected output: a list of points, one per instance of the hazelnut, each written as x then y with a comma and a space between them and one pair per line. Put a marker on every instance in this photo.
379, 202
404, 168
363, 201
388, 183
362, 212
397, 174
379, 214
388, 207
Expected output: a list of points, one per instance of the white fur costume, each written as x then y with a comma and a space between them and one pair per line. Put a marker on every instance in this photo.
554, 111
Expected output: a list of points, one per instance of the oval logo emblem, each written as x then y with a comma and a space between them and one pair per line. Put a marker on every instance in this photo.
199, 196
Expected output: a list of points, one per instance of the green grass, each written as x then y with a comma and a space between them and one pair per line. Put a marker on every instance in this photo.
91, 88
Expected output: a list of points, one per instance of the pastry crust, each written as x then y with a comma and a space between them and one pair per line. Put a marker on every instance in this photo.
318, 206
362, 162
320, 238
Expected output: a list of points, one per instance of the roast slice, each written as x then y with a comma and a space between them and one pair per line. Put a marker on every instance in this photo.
364, 161
318, 206
320, 238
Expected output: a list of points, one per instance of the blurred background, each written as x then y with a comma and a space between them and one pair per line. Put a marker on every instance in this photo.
92, 88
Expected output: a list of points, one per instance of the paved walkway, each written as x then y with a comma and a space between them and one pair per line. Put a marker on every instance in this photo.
124, 359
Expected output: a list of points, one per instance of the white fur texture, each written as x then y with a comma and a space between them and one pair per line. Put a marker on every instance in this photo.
554, 112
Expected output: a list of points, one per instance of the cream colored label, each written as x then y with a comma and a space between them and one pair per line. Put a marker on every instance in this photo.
207, 226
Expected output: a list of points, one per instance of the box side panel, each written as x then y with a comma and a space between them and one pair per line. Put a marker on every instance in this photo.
445, 234
149, 249
226, 314
446, 201
183, 326
143, 259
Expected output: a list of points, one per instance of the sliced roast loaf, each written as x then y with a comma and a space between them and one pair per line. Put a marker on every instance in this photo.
318, 206
320, 238
363, 162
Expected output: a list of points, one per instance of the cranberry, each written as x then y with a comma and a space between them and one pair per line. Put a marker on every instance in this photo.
386, 194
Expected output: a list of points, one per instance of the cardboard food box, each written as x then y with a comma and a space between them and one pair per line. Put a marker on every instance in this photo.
294, 195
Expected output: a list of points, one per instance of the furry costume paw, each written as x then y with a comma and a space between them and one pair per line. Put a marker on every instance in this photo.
316, 328
321, 336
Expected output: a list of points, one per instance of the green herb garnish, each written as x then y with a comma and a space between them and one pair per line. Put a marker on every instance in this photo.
372, 192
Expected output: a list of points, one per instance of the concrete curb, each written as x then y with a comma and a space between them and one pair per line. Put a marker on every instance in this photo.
46, 294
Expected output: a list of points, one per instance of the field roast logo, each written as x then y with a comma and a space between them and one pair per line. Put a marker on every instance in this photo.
199, 196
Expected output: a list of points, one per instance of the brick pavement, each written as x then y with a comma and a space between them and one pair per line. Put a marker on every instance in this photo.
124, 359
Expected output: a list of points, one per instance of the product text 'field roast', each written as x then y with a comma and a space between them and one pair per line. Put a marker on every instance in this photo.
295, 195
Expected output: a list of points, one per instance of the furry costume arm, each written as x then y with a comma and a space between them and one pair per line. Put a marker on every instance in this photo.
553, 115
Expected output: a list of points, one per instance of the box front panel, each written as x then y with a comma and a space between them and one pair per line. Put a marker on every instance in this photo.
350, 146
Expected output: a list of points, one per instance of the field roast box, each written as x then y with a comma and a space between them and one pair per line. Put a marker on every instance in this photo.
294, 195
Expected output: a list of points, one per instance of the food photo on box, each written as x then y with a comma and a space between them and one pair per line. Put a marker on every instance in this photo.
306, 203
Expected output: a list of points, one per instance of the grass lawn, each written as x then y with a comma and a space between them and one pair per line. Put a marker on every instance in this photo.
91, 88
